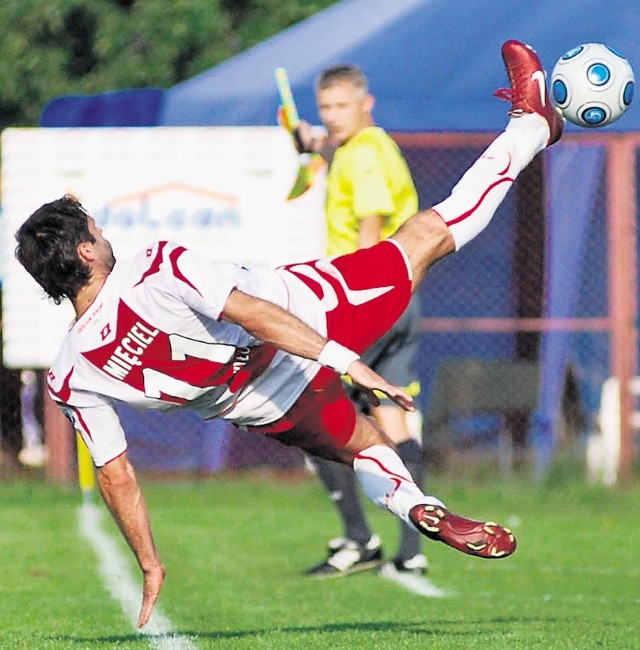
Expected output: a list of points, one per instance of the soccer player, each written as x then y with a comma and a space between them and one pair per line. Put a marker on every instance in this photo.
370, 194
264, 348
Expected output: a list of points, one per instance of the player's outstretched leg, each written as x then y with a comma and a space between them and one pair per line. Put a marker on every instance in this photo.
535, 124
484, 539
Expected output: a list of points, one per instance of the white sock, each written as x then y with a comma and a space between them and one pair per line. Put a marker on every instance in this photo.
473, 201
387, 482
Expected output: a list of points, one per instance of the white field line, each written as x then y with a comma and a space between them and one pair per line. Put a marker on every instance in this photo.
116, 574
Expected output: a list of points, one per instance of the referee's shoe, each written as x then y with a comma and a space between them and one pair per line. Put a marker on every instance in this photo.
345, 556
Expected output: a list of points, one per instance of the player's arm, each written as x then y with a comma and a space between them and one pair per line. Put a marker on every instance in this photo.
272, 324
94, 417
122, 494
370, 230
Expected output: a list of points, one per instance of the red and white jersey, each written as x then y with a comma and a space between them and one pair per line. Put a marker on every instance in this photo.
153, 338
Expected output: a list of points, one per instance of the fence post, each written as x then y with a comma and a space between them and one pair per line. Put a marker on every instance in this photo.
623, 285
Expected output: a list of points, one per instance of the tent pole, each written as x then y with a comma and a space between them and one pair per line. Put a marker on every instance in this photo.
623, 286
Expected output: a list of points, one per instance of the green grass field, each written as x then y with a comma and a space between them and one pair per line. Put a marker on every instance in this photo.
235, 548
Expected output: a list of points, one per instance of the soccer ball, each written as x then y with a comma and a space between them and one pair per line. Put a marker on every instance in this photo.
592, 85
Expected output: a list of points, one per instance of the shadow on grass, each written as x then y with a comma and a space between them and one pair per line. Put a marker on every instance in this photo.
426, 628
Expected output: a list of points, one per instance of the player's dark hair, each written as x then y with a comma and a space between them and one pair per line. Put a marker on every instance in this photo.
48, 247
339, 73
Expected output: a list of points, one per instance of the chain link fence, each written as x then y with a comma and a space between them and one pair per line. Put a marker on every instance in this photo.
485, 315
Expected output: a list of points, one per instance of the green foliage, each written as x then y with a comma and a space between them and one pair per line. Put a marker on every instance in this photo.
90, 46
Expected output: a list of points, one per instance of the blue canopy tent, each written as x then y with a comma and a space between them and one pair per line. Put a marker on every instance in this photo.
432, 66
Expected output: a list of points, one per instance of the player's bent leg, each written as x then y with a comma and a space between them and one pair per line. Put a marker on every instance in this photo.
324, 422
387, 482
366, 433
320, 423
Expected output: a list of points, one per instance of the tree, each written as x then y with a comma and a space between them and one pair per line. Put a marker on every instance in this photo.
91, 46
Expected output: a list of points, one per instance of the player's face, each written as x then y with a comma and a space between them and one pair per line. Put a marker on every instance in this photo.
344, 109
102, 248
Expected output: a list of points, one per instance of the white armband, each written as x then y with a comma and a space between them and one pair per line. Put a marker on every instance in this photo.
337, 357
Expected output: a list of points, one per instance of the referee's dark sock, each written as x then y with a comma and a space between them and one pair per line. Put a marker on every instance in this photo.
340, 480
412, 455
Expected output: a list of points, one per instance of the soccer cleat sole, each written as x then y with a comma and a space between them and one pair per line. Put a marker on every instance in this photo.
486, 540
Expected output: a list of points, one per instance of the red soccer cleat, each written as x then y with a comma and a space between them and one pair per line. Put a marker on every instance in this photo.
529, 92
480, 538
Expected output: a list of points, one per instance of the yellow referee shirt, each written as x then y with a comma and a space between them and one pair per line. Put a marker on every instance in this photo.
368, 176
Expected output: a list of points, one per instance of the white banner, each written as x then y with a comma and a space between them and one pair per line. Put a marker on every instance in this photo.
221, 191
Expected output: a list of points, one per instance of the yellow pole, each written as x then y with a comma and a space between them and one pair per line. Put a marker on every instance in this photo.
86, 476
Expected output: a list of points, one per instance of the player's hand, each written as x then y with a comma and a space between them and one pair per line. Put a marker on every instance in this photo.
369, 381
153, 579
